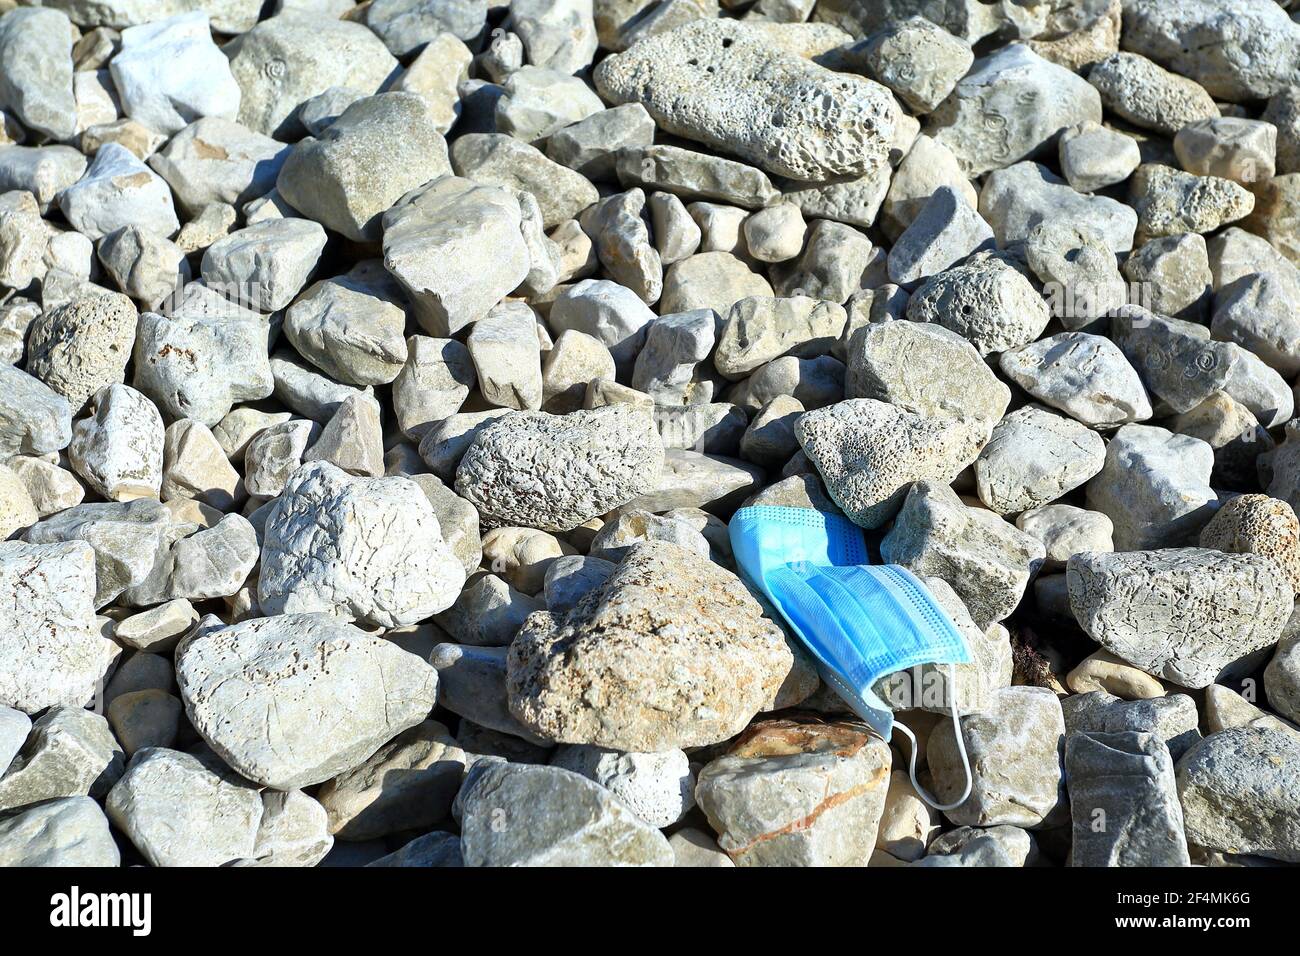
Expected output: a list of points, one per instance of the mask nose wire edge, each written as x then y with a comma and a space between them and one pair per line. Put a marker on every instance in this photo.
961, 750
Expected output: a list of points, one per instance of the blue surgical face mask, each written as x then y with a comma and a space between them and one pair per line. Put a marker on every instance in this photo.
860, 622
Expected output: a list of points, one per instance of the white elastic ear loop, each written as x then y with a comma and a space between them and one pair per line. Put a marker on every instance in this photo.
961, 750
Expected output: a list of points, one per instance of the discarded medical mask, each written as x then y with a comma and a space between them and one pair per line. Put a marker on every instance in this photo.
860, 622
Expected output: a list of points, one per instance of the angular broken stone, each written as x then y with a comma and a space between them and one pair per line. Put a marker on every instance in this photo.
494, 159
790, 793
1124, 801
750, 99
52, 651
1034, 457
203, 358
1008, 107
435, 240
1183, 614
118, 450
265, 265
556, 472
295, 699
692, 175
118, 190
1086, 376
1016, 199
69, 752
664, 609
503, 348
1155, 487
760, 329
289, 58
36, 66
165, 99
571, 821
987, 560
325, 548
379, 149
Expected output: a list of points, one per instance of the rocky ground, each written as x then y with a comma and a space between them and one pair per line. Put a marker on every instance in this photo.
376, 383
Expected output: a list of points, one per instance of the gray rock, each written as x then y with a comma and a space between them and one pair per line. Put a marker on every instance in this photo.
267, 263
710, 280
183, 810
1124, 801
759, 329
445, 443
488, 612
869, 452
693, 175
118, 450
1242, 150
610, 312
432, 849
244, 692
472, 685
145, 718
923, 368
215, 160
36, 70
324, 549
157, 629
43, 171
512, 470
668, 366
69, 832
286, 60
1066, 530
621, 534
1184, 614
622, 243
1154, 487
727, 660
164, 99
214, 562
34, 419
145, 266
1257, 312
1173, 718
790, 793
1134, 88
527, 815
918, 60
14, 727
432, 385
1086, 376
1282, 678
657, 787
118, 190
986, 301
1033, 458
70, 752
1172, 276
999, 85
1240, 53
1238, 791
1078, 272
571, 578
379, 149
536, 102
1093, 156
987, 560
1015, 751
590, 145
494, 159
126, 539
998, 846
1016, 199
503, 347
436, 240
208, 355
407, 784
815, 382
1169, 201
845, 134
832, 267
945, 231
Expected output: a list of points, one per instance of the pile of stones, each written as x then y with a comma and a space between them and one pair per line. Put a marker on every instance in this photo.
377, 381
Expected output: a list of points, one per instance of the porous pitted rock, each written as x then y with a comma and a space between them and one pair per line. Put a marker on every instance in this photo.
1183, 614
80, 346
328, 546
721, 83
672, 651
295, 699
869, 452
1257, 524
555, 472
